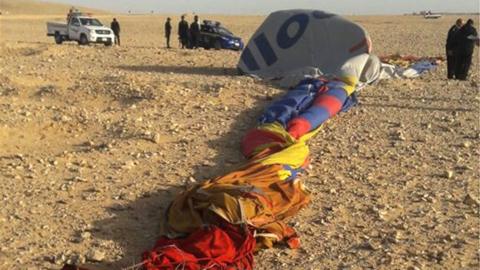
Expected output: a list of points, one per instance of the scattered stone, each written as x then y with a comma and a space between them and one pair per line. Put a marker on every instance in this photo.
466, 144
448, 174
128, 165
156, 138
95, 255
77, 259
368, 245
59, 259
450, 237
398, 135
85, 235
469, 200
208, 163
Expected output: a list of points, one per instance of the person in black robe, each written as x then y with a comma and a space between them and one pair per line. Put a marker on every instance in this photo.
183, 32
451, 47
195, 32
115, 26
168, 31
466, 38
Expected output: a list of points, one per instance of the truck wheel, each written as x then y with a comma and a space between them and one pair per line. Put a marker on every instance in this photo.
217, 45
83, 40
58, 38
108, 44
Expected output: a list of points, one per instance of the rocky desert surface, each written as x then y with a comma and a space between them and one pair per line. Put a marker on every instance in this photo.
96, 141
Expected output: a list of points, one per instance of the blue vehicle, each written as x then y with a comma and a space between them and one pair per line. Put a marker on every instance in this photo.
214, 35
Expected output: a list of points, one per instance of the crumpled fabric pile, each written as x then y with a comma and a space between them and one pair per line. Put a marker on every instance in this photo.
399, 67
220, 223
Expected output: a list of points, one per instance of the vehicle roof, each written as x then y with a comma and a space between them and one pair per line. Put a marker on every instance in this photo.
84, 17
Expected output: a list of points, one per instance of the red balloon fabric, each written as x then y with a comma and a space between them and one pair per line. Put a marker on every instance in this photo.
214, 247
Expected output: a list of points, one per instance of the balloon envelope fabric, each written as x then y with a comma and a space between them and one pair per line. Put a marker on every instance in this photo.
221, 246
256, 199
219, 223
291, 40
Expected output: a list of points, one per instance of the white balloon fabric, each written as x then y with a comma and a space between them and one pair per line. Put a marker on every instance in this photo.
293, 40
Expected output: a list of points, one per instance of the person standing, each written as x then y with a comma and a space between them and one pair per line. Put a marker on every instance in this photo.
183, 32
72, 11
115, 26
168, 31
466, 38
195, 32
451, 47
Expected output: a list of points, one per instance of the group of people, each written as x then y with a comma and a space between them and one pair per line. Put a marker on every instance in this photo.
460, 45
189, 36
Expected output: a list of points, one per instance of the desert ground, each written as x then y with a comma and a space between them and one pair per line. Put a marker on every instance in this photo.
96, 141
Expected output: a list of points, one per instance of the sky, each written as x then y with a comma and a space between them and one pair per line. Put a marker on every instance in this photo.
345, 7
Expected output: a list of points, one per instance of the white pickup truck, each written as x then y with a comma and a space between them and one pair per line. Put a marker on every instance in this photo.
80, 28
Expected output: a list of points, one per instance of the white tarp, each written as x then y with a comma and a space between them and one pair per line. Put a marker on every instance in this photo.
389, 71
290, 41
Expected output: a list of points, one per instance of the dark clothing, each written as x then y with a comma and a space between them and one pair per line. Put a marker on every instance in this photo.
183, 33
194, 34
195, 27
451, 47
117, 39
452, 41
115, 26
168, 31
462, 65
451, 60
466, 44
168, 41
464, 50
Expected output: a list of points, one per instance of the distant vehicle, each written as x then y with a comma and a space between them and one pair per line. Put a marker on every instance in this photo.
81, 28
214, 35
430, 15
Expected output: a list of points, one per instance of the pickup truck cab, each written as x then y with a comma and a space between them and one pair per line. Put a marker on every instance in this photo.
81, 28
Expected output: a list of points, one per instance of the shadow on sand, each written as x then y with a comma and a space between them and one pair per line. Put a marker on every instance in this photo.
203, 70
418, 98
133, 226
421, 108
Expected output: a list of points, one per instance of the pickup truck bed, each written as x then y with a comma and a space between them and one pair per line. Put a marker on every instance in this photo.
57, 27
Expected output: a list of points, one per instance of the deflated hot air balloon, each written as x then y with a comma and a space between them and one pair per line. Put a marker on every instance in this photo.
293, 43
